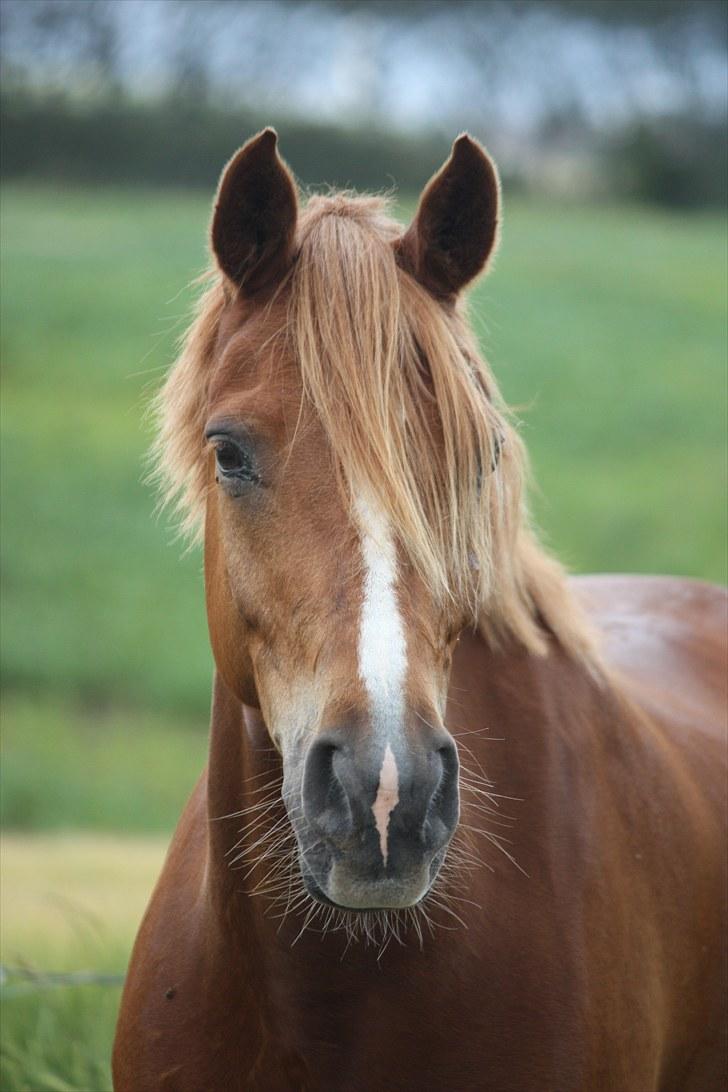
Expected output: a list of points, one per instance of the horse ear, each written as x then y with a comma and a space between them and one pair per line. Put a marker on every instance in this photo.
254, 221
455, 229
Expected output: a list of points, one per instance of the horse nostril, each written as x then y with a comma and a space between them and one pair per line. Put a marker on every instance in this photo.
324, 799
448, 753
447, 793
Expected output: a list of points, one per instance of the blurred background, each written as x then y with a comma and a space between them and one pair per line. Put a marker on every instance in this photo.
604, 320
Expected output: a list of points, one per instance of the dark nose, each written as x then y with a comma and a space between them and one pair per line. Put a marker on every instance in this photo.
391, 801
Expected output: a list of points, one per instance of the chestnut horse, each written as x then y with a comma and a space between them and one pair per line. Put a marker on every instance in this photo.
462, 822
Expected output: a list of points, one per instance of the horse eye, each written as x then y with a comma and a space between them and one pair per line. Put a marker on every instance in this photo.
232, 460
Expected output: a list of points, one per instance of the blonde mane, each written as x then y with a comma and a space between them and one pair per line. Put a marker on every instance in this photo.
413, 417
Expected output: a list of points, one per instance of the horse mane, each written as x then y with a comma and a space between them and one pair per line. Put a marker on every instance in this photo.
413, 416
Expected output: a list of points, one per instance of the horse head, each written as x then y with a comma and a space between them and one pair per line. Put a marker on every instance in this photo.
348, 450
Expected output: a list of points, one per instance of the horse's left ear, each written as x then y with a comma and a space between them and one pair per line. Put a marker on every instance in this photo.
254, 222
455, 230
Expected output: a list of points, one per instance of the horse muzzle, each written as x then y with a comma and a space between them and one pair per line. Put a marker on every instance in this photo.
378, 812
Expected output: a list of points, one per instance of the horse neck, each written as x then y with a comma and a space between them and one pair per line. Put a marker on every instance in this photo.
244, 776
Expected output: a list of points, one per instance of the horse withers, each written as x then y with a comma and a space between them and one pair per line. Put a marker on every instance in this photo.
462, 825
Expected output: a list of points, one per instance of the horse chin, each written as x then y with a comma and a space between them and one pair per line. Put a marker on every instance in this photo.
354, 895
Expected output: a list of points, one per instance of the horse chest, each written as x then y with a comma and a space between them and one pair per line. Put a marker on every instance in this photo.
476, 1014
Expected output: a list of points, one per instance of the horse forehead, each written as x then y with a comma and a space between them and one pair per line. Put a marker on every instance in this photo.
253, 401
255, 378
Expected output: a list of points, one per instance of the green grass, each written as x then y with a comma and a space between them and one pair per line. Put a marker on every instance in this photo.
610, 327
71, 768
69, 903
59, 1040
97, 606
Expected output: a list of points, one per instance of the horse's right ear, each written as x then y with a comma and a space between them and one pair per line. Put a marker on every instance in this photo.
254, 222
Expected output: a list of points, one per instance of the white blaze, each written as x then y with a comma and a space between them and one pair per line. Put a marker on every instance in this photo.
382, 648
387, 799
382, 651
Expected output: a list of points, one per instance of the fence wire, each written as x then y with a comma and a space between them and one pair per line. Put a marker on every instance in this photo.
16, 981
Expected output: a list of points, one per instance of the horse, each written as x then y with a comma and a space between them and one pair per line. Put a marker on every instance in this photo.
463, 819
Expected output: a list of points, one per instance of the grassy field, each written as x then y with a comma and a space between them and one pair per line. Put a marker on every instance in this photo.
71, 767
67, 903
606, 327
